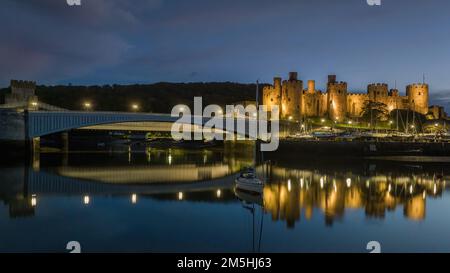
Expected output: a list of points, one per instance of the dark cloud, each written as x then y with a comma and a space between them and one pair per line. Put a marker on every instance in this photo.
122, 41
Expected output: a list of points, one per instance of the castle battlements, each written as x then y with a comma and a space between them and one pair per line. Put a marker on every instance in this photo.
357, 95
338, 83
23, 84
418, 85
378, 85
336, 102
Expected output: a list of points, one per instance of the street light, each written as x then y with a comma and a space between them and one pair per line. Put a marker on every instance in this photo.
135, 107
87, 106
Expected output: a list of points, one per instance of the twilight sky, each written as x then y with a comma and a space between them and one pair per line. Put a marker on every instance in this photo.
145, 41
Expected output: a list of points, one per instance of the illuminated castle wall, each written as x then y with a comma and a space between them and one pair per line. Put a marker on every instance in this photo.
337, 103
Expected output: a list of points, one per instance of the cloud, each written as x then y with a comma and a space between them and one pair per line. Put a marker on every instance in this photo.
51, 42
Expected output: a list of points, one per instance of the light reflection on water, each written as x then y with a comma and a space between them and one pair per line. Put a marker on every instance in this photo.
171, 200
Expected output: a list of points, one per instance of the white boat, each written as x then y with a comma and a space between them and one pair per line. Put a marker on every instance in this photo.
247, 181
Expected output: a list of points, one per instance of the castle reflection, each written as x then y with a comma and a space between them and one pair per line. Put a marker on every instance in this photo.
295, 190
295, 194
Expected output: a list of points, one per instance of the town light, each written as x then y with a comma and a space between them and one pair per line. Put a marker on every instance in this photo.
87, 105
133, 198
436, 125
218, 193
391, 122
86, 199
34, 104
291, 118
135, 107
180, 196
33, 200
350, 122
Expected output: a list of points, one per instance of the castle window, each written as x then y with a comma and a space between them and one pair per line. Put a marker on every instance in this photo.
420, 93
271, 99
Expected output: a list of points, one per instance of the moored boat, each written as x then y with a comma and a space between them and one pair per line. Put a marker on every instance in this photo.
247, 181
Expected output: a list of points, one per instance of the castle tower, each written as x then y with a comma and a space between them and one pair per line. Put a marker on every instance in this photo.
331, 78
311, 86
378, 92
272, 94
291, 97
336, 98
418, 96
23, 91
393, 93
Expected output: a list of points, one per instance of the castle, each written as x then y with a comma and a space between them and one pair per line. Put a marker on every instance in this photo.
23, 92
337, 103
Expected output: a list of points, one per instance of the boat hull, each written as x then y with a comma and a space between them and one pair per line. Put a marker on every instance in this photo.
249, 186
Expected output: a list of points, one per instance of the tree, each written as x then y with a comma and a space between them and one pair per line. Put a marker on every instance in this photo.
373, 111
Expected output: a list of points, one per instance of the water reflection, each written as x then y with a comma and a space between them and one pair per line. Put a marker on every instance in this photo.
295, 193
199, 186
290, 194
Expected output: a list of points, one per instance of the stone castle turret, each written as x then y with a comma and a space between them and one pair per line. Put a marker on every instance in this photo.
418, 96
23, 92
378, 92
291, 97
286, 95
337, 99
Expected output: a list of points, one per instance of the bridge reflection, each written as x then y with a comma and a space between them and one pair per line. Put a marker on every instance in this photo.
292, 193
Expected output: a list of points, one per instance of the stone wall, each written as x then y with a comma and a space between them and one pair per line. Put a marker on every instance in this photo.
12, 125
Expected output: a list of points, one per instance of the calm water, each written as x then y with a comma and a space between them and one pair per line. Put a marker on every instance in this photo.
172, 200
